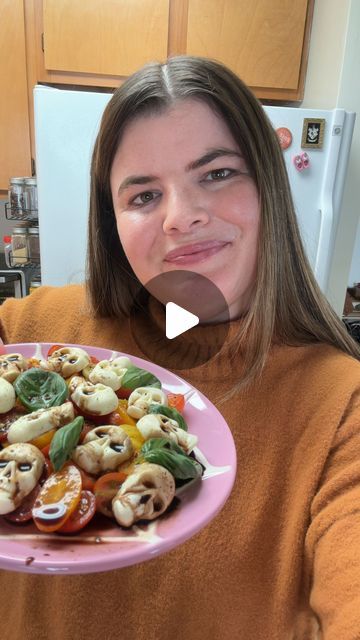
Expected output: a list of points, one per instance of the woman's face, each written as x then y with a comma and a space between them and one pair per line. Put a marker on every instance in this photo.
183, 199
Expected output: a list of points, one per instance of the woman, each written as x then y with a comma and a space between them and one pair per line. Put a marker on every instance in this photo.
187, 173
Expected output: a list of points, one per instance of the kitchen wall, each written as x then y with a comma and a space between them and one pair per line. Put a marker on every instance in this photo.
333, 80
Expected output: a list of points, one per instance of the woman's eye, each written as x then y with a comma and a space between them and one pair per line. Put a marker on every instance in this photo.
143, 198
219, 174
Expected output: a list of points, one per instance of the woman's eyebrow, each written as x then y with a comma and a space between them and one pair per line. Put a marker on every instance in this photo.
210, 155
133, 180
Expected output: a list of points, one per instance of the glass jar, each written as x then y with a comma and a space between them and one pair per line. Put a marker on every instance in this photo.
30, 198
35, 283
33, 245
17, 197
19, 243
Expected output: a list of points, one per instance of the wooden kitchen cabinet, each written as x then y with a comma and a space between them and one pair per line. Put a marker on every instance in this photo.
98, 42
262, 40
15, 156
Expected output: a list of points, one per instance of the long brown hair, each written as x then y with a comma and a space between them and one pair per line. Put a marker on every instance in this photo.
287, 305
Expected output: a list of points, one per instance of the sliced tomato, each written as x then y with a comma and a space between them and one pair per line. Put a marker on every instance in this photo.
87, 481
44, 440
24, 512
176, 401
57, 499
124, 393
53, 348
83, 513
106, 487
120, 415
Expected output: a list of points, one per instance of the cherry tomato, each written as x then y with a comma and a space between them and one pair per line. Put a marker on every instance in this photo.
134, 434
176, 401
87, 481
44, 440
33, 363
54, 347
57, 499
123, 393
83, 513
120, 415
24, 511
106, 487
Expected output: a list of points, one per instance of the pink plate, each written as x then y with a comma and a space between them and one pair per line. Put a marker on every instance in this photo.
105, 546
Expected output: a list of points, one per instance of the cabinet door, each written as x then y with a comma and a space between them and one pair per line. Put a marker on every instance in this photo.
262, 40
15, 157
102, 37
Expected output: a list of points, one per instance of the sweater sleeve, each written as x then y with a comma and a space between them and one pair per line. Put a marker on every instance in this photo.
49, 314
333, 538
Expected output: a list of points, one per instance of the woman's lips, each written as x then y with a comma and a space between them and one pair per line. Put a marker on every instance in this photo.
195, 253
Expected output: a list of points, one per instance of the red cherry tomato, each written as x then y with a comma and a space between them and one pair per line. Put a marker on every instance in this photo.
106, 487
87, 481
53, 348
176, 401
24, 511
123, 393
83, 513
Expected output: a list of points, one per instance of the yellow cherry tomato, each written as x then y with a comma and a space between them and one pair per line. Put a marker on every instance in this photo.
122, 411
57, 499
134, 434
43, 440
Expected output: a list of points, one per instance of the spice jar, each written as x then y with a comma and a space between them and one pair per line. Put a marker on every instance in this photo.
19, 243
30, 198
33, 245
17, 197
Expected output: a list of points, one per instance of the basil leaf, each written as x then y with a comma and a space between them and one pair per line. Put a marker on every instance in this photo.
136, 377
39, 389
64, 442
169, 412
169, 455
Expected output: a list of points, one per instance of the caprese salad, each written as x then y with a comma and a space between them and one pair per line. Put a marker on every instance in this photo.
80, 436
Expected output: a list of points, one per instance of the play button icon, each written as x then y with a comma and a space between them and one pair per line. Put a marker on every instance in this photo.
178, 320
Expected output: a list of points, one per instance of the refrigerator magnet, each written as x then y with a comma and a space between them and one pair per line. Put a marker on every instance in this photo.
313, 133
285, 137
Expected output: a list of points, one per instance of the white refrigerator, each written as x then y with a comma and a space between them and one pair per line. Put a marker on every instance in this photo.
316, 146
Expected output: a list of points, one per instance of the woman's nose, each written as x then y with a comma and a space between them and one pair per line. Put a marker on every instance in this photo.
183, 213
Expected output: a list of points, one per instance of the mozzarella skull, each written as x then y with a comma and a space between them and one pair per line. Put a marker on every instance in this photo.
32, 425
156, 425
141, 399
7, 396
21, 466
96, 399
144, 495
11, 365
104, 448
110, 372
66, 361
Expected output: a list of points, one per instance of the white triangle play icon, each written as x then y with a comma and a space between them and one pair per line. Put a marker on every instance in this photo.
178, 320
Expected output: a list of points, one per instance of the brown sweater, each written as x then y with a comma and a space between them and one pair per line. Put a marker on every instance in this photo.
282, 557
